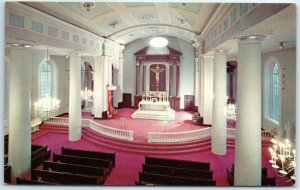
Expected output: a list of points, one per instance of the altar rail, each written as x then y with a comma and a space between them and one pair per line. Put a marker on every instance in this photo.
158, 137
179, 136
102, 129
264, 134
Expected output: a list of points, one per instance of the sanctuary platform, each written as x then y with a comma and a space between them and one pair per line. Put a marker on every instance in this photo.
158, 110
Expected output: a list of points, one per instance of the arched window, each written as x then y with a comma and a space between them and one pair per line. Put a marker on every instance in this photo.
46, 79
274, 114
272, 90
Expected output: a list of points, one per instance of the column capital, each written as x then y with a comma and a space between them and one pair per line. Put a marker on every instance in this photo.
137, 63
252, 39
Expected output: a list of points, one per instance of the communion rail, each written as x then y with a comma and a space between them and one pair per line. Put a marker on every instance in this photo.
102, 129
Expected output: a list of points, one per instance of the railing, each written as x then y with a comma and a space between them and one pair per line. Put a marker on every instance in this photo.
179, 136
105, 130
264, 134
112, 132
57, 121
85, 122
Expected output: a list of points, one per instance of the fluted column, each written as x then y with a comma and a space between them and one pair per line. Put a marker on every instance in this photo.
219, 123
177, 78
247, 168
144, 77
171, 80
137, 79
19, 150
75, 99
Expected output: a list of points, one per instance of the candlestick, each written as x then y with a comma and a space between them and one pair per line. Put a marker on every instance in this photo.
282, 171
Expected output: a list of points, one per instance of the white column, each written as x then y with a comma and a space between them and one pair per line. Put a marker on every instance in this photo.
201, 83
98, 87
247, 170
120, 81
19, 113
105, 81
219, 124
207, 89
75, 99
197, 81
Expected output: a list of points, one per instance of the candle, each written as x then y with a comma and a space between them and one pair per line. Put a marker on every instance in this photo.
294, 152
280, 149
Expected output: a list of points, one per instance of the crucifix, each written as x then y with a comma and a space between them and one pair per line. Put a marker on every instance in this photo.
157, 70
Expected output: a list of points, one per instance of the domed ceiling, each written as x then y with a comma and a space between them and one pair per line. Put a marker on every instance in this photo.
126, 22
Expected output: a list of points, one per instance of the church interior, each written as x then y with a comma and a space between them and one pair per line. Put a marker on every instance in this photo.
149, 94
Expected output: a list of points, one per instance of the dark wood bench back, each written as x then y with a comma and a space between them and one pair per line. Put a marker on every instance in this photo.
75, 169
33, 182
39, 154
64, 178
157, 179
83, 161
7, 174
90, 154
180, 172
266, 181
177, 163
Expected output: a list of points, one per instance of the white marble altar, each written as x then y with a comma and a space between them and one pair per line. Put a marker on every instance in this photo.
159, 110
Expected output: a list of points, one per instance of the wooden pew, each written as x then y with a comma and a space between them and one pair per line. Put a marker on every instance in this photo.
76, 169
7, 174
33, 182
180, 172
156, 179
90, 154
5, 160
5, 144
39, 154
64, 178
83, 161
177, 163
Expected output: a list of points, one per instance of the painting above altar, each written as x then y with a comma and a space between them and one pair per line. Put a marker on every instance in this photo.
157, 77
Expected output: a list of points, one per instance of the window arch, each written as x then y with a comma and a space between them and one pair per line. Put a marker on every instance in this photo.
46, 79
272, 90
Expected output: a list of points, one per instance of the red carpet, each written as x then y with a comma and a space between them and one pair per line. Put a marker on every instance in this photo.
128, 164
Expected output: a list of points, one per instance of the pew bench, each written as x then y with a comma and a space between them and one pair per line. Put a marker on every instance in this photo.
33, 182
177, 163
180, 172
156, 179
90, 154
76, 169
39, 154
83, 161
64, 178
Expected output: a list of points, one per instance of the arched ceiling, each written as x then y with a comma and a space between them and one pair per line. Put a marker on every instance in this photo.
126, 22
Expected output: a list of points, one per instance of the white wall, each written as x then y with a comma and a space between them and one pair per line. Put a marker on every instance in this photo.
287, 61
186, 66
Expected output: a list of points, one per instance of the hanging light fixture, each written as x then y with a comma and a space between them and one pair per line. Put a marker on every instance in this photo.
47, 58
87, 6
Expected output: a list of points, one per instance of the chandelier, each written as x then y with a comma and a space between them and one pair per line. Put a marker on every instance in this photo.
47, 104
283, 160
87, 6
86, 94
231, 112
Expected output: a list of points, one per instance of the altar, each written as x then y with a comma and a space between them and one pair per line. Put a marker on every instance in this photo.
154, 108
